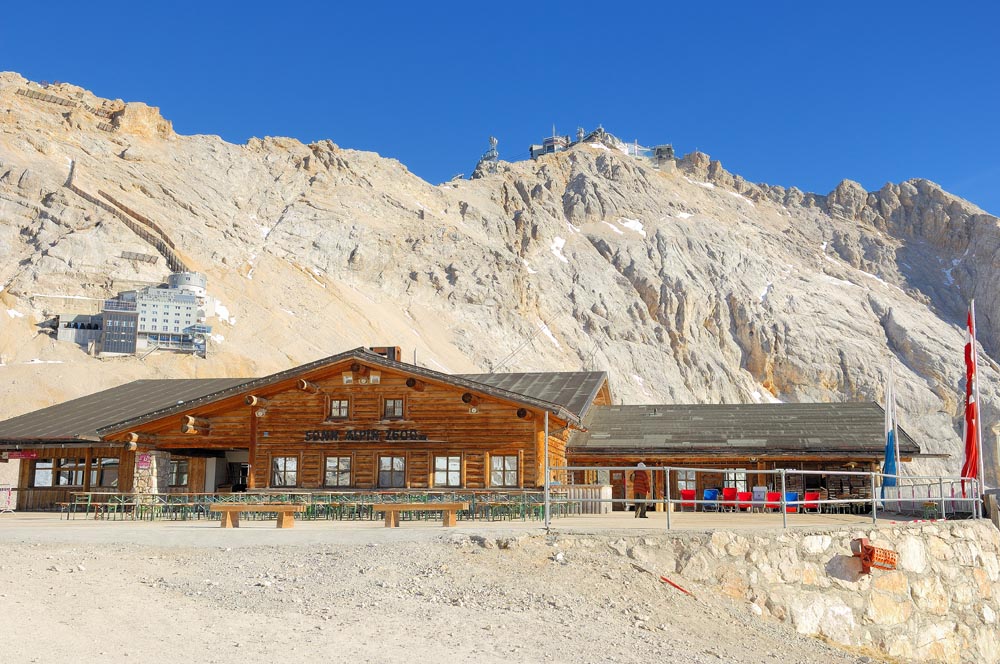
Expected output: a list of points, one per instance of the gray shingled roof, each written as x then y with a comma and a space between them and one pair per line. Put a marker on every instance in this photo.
575, 390
566, 394
80, 419
825, 428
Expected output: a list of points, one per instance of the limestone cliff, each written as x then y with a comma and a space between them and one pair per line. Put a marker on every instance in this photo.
685, 282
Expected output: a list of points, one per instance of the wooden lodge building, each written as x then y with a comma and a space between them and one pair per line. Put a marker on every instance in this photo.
364, 420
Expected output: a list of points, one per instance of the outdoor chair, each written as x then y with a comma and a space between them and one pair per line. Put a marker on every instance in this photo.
773, 503
711, 498
743, 498
759, 496
729, 499
686, 495
791, 496
811, 502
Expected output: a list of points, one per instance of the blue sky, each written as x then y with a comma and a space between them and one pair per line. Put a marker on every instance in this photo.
795, 93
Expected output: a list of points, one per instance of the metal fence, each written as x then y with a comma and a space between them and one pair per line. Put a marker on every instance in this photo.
930, 496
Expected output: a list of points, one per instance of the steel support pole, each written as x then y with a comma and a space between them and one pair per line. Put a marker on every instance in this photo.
941, 494
670, 507
784, 512
546, 466
874, 500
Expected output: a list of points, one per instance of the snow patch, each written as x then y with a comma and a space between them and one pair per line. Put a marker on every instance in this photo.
704, 185
547, 332
218, 338
613, 227
767, 289
557, 246
572, 229
38, 361
742, 198
599, 146
264, 230
684, 215
632, 225
290, 313
528, 267
13, 313
222, 313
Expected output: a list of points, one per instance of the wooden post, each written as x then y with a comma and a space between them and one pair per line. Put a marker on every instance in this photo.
252, 448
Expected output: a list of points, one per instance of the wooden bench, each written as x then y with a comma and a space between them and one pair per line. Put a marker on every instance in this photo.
449, 511
231, 512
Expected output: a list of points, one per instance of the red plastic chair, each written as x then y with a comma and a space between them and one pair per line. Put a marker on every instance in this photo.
773, 501
687, 494
729, 498
744, 498
811, 503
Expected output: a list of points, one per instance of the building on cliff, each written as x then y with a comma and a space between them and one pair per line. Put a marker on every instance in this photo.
363, 420
170, 316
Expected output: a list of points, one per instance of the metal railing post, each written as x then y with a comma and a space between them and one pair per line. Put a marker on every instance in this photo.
784, 512
546, 467
941, 494
670, 507
874, 500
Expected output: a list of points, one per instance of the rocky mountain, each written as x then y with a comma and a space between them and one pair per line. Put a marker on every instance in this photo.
685, 282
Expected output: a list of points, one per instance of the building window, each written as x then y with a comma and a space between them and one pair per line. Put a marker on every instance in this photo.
340, 409
447, 471
687, 479
392, 409
503, 470
178, 472
104, 472
391, 472
338, 471
69, 472
42, 475
284, 471
736, 477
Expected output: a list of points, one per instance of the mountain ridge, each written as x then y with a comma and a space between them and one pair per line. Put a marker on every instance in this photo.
687, 283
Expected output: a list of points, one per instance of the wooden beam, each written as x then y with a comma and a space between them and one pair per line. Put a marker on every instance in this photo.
135, 438
198, 422
191, 430
306, 386
415, 384
525, 414
253, 400
470, 399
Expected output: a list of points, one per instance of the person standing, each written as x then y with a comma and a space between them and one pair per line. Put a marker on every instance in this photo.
640, 490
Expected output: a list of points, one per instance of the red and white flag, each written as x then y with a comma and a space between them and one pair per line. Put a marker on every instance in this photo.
970, 468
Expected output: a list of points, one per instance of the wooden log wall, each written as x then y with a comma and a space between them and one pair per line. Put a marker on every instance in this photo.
31, 498
473, 428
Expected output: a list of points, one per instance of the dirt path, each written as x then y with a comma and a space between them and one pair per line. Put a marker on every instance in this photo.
415, 596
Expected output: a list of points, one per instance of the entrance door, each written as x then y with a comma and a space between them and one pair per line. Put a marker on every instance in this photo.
618, 489
391, 472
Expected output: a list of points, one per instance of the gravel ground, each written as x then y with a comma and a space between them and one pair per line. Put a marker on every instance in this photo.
414, 594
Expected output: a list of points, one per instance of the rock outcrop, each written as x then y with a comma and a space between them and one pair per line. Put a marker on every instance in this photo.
686, 283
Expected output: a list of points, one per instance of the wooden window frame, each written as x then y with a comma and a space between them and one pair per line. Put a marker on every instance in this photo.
402, 408
378, 469
98, 469
330, 417
504, 470
284, 471
78, 467
350, 470
175, 465
447, 471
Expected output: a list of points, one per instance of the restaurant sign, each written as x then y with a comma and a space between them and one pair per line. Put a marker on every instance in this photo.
376, 435
143, 461
22, 454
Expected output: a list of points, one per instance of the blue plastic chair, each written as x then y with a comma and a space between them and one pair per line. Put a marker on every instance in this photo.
791, 496
713, 496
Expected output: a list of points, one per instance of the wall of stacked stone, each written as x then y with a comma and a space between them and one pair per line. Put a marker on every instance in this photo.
941, 603
155, 478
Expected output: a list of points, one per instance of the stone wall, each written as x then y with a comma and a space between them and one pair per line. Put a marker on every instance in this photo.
941, 604
155, 478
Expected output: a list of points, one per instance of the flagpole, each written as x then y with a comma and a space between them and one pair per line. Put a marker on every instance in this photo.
979, 405
895, 432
